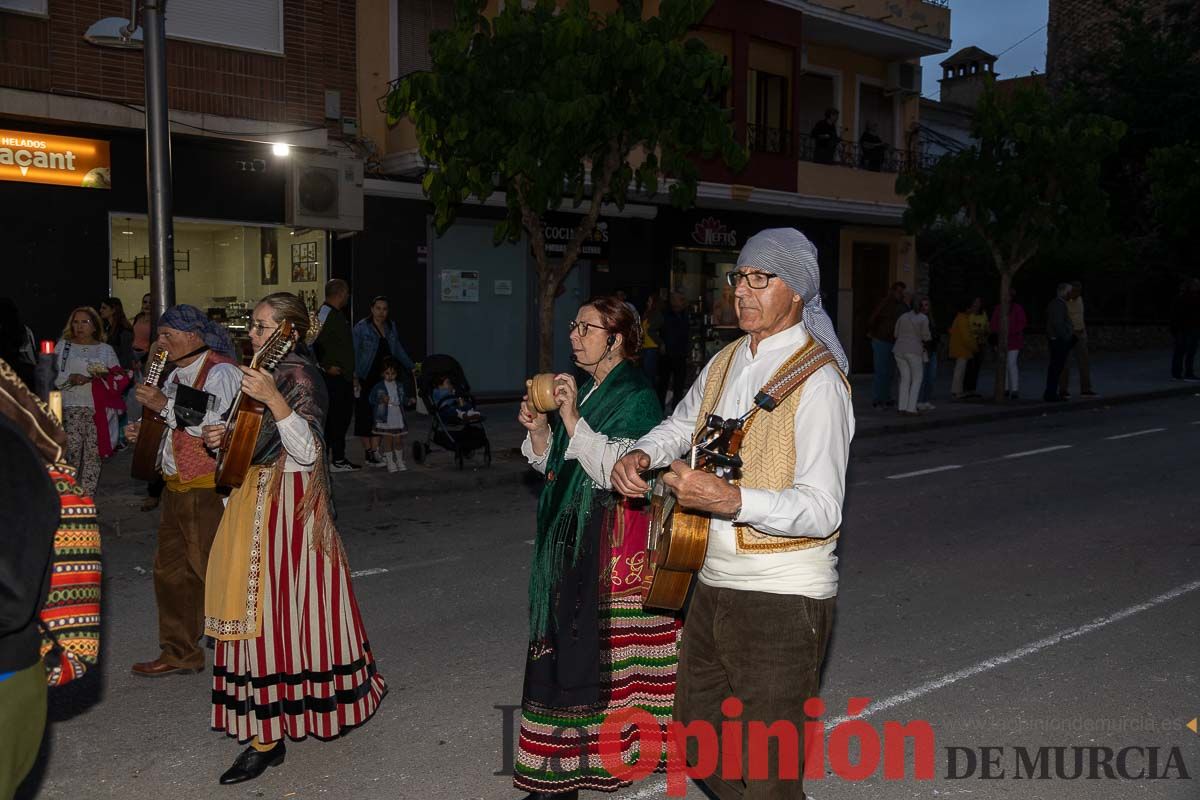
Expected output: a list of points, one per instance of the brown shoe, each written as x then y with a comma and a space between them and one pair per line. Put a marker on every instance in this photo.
150, 503
157, 669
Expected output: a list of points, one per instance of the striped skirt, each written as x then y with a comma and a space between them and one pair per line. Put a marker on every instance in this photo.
310, 669
559, 748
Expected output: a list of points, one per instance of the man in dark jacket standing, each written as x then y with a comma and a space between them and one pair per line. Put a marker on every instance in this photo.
881, 327
674, 346
32, 511
1062, 337
334, 348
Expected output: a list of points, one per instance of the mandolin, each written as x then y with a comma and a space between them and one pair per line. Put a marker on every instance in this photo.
152, 427
678, 539
246, 414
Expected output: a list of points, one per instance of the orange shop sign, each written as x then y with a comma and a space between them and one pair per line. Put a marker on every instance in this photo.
60, 160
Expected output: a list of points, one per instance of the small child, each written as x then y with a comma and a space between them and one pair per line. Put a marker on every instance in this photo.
387, 398
452, 407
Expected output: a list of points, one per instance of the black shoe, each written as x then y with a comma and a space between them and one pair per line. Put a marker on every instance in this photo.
343, 465
251, 763
574, 795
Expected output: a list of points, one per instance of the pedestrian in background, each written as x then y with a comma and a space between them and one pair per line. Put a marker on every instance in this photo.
118, 330
929, 379
17, 346
963, 346
80, 358
334, 350
652, 321
1075, 311
881, 327
1017, 322
375, 340
673, 348
1062, 337
1185, 330
981, 330
911, 334
387, 402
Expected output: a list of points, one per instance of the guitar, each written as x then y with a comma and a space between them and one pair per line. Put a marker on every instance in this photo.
678, 539
246, 414
152, 427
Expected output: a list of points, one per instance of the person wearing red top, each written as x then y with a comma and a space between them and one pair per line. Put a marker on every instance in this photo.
1017, 321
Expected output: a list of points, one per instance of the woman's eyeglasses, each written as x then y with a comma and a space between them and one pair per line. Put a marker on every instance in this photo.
260, 328
755, 280
584, 327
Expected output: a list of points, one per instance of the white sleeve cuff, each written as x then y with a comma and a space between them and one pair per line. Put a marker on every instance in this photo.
756, 506
297, 439
536, 461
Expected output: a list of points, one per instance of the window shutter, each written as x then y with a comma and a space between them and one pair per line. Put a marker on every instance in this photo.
25, 6
245, 24
418, 19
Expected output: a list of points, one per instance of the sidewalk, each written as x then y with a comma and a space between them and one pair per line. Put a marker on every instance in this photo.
1118, 377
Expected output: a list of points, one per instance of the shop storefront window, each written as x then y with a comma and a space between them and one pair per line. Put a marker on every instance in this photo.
223, 268
700, 275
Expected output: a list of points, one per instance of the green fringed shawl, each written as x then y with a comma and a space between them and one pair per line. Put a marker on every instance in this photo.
624, 406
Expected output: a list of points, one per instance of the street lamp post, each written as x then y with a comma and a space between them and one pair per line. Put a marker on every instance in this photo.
158, 161
114, 32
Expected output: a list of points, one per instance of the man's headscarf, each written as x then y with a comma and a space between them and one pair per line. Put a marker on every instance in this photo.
788, 253
190, 319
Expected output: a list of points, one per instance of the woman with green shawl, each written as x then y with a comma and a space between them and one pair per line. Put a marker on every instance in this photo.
593, 650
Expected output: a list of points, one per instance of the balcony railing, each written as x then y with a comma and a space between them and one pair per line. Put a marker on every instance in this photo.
874, 158
938, 3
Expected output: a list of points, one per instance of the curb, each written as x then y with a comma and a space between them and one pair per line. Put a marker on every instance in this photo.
1033, 410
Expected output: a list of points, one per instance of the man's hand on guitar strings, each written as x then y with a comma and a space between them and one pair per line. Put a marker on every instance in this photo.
701, 491
626, 476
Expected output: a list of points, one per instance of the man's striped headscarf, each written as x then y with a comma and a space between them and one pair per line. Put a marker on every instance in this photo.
789, 254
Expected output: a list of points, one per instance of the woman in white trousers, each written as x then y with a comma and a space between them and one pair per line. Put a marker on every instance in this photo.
912, 332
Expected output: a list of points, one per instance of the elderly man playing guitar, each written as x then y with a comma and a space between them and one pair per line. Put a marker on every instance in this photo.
761, 614
203, 383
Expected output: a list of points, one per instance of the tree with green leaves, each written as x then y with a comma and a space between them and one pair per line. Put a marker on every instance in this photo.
551, 102
1030, 178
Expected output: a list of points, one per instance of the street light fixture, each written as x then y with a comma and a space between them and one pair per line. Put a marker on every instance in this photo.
126, 34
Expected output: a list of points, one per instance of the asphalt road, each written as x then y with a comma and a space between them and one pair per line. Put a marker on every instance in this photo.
1009, 598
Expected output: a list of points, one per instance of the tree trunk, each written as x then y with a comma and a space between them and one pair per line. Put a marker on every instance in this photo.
546, 291
1002, 337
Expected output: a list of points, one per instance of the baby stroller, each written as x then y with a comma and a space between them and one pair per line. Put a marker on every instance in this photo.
462, 437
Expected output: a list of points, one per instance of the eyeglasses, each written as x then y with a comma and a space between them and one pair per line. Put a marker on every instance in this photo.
755, 280
259, 328
584, 327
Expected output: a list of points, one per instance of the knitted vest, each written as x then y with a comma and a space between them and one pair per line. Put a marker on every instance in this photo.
192, 460
768, 448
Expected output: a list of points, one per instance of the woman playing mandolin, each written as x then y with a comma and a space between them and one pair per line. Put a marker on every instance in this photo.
291, 655
593, 651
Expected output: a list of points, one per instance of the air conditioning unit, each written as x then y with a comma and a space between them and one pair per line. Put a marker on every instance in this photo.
325, 192
904, 77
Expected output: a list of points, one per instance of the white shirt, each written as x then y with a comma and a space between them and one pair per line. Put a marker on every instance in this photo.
912, 331
222, 383
78, 356
811, 507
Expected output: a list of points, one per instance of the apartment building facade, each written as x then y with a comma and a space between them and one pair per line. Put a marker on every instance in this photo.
792, 60
243, 77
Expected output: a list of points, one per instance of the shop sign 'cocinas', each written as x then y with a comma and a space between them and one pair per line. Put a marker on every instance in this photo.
60, 160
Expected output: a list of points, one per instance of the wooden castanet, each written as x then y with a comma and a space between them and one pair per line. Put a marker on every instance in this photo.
246, 414
151, 429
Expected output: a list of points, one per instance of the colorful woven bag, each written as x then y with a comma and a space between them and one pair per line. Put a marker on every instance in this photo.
70, 620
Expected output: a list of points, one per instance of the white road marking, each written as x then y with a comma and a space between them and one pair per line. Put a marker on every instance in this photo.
1024, 453
923, 472
362, 573
986, 665
1135, 433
